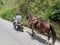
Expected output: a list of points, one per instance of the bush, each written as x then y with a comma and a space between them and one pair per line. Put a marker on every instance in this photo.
7, 14
55, 17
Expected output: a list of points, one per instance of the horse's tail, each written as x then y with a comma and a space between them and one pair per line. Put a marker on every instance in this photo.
53, 33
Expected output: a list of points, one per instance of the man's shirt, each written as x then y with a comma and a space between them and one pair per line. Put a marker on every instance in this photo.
19, 18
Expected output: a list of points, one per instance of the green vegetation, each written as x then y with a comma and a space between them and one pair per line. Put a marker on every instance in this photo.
47, 9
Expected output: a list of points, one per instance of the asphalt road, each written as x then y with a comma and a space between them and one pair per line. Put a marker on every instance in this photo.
9, 36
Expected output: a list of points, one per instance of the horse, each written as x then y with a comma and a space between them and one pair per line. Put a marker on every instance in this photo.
45, 27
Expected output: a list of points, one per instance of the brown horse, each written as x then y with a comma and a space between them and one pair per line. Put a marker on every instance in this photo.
45, 27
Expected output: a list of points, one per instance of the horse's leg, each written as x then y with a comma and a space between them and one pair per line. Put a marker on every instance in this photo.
47, 39
53, 34
53, 40
46, 42
32, 30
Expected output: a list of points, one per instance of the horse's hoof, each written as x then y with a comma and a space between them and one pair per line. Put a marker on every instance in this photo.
32, 35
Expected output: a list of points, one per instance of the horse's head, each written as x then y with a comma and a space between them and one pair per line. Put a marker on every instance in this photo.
28, 16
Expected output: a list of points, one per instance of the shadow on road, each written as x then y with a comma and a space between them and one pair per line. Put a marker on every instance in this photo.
18, 30
38, 38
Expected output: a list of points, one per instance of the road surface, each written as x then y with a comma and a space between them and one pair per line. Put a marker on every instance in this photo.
9, 36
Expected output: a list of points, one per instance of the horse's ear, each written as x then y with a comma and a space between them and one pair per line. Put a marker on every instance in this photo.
26, 16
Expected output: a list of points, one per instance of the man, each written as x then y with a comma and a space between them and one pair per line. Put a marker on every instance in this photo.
18, 21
